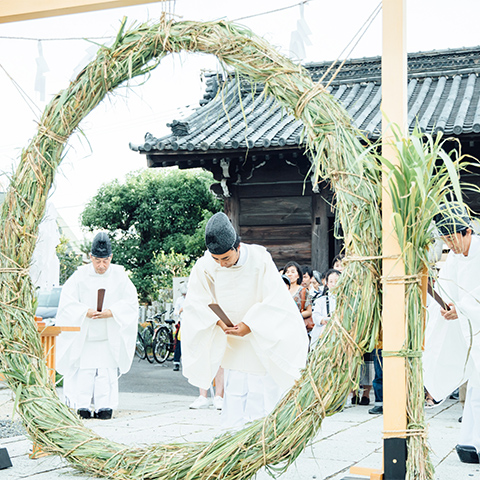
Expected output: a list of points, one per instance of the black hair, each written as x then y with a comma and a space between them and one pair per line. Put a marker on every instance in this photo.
338, 258
329, 272
299, 270
307, 269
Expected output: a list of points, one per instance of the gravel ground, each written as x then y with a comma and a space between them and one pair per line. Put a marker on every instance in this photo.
8, 428
11, 429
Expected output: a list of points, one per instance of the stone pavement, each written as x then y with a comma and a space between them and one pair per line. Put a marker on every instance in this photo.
351, 437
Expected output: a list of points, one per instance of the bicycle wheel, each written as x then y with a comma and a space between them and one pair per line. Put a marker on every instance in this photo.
148, 342
140, 347
161, 344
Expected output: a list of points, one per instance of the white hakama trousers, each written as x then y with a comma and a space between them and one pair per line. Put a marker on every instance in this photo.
470, 431
247, 397
87, 386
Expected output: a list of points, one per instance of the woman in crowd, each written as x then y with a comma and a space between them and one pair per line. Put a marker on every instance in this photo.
338, 262
300, 294
318, 281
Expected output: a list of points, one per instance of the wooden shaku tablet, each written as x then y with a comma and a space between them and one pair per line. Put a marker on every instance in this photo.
221, 314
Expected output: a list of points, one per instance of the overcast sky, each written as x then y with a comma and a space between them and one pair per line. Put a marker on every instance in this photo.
101, 154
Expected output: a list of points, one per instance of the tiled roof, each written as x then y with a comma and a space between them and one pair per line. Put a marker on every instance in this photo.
443, 94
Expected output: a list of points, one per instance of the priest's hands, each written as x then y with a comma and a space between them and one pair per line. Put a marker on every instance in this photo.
240, 330
450, 314
91, 313
222, 325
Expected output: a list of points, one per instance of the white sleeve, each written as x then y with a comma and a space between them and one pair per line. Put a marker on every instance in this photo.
203, 341
278, 330
123, 328
71, 312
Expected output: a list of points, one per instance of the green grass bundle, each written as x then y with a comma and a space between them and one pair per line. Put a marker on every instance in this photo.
333, 368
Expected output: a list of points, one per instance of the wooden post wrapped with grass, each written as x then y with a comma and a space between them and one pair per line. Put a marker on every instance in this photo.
417, 187
333, 367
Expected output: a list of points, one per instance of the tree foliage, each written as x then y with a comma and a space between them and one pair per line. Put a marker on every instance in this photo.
153, 211
69, 260
169, 265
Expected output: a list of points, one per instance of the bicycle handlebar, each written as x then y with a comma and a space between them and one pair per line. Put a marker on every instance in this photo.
157, 317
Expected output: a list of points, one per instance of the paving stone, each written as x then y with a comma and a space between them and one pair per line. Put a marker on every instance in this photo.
351, 437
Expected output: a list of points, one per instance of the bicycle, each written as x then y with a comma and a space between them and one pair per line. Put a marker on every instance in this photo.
165, 340
145, 345
140, 350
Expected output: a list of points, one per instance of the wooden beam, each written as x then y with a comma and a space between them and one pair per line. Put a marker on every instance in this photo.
372, 474
232, 208
19, 10
394, 108
319, 232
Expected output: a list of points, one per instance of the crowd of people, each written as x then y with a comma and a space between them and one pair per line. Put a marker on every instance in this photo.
248, 328
315, 297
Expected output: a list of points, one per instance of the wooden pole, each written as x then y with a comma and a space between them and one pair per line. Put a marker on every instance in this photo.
394, 109
18, 10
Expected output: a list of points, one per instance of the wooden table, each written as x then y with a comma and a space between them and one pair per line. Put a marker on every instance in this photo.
48, 336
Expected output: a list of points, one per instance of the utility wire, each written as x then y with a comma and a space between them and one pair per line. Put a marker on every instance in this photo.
55, 39
63, 39
23, 94
364, 27
360, 34
271, 11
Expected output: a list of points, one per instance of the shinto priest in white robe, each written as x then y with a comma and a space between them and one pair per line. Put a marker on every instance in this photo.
107, 343
452, 347
259, 367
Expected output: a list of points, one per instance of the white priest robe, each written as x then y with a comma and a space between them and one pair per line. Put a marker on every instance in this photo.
107, 344
251, 292
452, 347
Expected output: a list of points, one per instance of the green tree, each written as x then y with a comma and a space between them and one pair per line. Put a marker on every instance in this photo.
69, 260
86, 247
167, 266
154, 211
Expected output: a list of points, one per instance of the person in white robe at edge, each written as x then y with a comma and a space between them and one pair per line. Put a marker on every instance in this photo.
452, 336
91, 358
264, 351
